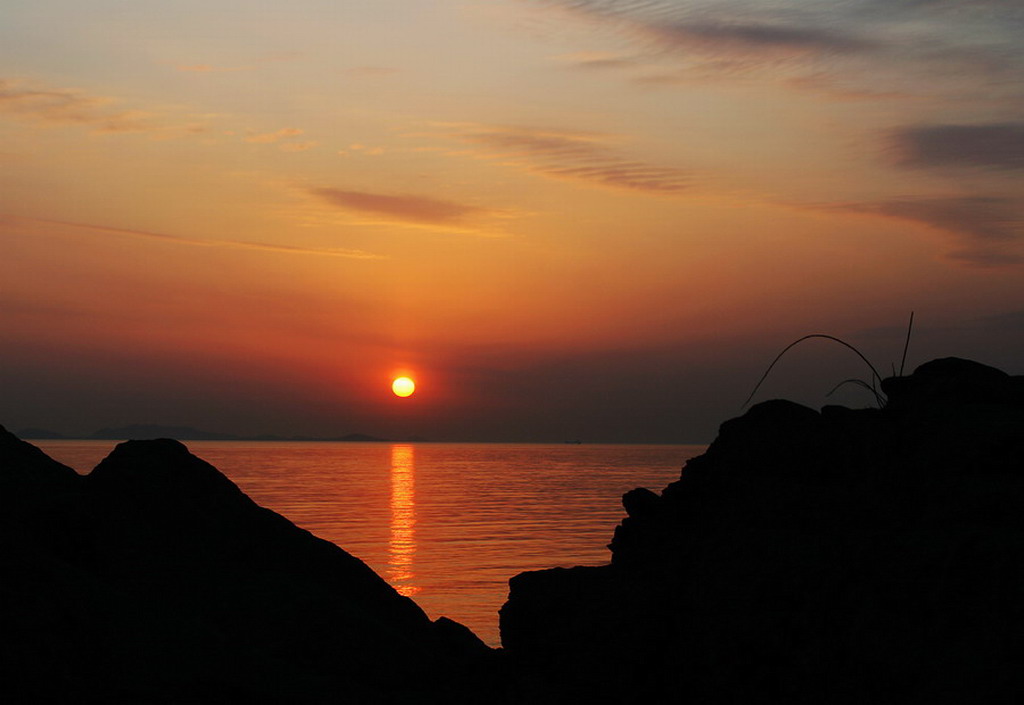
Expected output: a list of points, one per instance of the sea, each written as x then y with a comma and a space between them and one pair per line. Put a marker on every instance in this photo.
446, 524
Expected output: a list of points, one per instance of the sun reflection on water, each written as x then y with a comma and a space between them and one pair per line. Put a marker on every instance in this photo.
402, 543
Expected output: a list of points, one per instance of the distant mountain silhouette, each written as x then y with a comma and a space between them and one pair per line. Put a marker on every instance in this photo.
140, 432
187, 433
152, 431
358, 437
39, 434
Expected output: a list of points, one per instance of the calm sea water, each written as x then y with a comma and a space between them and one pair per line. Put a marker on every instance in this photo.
446, 524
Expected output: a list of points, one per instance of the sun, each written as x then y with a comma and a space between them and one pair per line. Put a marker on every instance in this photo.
403, 386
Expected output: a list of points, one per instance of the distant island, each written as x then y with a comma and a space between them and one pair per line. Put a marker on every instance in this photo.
187, 433
40, 434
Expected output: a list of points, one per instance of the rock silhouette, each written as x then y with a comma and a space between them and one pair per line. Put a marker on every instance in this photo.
847, 556
154, 579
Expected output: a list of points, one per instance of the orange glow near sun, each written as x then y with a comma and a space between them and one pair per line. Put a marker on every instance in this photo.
403, 387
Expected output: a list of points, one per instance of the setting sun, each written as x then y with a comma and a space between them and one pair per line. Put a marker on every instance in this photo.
403, 387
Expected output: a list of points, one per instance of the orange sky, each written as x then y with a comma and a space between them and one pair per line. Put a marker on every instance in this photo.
575, 218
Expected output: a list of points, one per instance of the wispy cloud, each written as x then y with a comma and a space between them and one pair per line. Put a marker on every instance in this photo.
100, 115
598, 60
986, 257
562, 154
728, 27
229, 244
835, 87
298, 146
363, 150
981, 218
70, 107
928, 46
282, 138
758, 38
402, 207
270, 137
65, 107
987, 230
994, 146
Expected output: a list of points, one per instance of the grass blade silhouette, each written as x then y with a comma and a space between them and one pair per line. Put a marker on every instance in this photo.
874, 372
906, 345
858, 382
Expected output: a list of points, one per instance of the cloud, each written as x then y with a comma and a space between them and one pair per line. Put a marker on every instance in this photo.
270, 137
279, 137
993, 146
933, 47
598, 60
700, 41
229, 244
298, 146
757, 38
986, 257
984, 218
363, 149
56, 106
729, 27
988, 230
834, 87
413, 209
563, 154
70, 107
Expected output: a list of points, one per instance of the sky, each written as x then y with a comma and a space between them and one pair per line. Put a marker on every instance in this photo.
565, 219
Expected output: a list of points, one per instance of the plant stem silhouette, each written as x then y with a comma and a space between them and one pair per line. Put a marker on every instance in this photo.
875, 376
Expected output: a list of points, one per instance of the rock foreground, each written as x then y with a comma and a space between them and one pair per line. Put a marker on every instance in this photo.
868, 556
154, 579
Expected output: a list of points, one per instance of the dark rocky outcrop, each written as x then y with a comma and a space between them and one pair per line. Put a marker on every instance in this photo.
846, 556
154, 579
